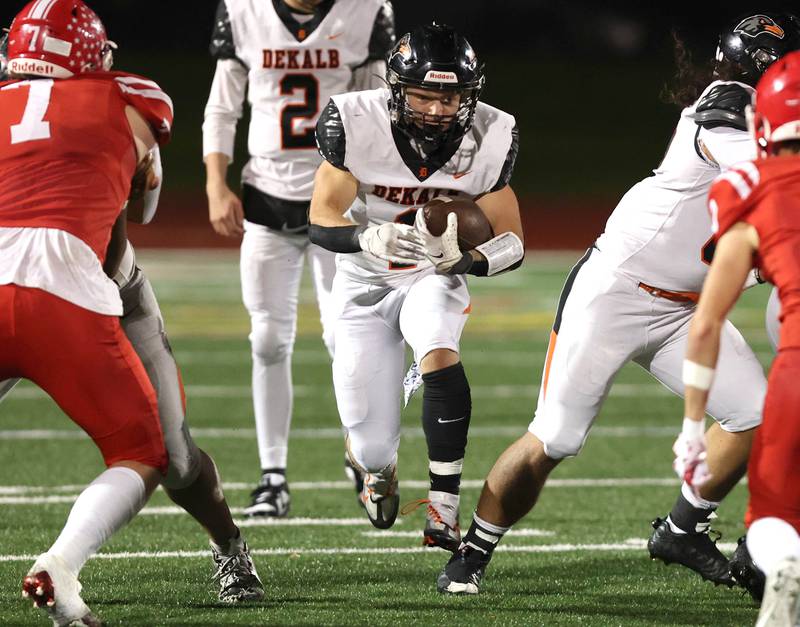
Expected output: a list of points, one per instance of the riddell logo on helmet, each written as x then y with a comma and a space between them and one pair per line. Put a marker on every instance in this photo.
440, 77
31, 66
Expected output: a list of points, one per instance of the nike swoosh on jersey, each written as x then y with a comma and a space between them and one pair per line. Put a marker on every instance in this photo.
458, 175
444, 422
335, 35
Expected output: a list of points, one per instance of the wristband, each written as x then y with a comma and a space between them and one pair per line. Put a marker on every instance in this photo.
697, 375
693, 429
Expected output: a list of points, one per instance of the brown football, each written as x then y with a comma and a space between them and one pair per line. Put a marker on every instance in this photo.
473, 226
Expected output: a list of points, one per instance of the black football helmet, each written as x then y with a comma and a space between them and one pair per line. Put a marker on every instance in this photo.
433, 57
756, 41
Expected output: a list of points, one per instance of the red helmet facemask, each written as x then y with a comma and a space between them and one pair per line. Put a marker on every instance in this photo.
774, 116
57, 39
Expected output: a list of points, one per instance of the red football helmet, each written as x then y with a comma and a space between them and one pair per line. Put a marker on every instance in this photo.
775, 114
56, 39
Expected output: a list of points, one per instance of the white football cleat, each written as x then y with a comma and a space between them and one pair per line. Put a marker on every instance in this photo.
780, 607
381, 497
441, 521
56, 590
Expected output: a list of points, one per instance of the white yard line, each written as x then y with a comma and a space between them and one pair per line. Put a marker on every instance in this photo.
335, 433
21, 495
633, 544
514, 533
625, 390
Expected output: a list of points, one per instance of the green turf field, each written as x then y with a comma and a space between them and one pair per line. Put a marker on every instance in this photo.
577, 559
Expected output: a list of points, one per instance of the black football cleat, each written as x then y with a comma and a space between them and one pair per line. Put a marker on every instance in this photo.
746, 573
464, 572
696, 551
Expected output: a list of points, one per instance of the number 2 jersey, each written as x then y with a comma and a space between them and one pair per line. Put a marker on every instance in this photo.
766, 194
394, 180
289, 65
660, 232
67, 157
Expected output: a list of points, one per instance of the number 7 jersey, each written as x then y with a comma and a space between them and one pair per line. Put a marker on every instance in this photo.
292, 68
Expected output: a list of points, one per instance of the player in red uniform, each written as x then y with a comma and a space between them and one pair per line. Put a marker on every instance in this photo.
755, 210
71, 136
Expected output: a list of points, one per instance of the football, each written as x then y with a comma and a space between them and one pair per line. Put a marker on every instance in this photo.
473, 226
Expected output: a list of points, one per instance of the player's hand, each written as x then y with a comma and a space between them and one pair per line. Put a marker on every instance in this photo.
690, 460
225, 211
444, 253
396, 243
144, 178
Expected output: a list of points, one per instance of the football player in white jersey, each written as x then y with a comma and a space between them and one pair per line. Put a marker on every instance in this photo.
394, 149
287, 57
192, 480
630, 298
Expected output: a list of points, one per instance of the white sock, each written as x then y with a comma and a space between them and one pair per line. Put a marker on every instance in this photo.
770, 541
104, 507
272, 405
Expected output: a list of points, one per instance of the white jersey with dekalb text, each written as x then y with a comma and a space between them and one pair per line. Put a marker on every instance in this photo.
659, 229
387, 188
288, 77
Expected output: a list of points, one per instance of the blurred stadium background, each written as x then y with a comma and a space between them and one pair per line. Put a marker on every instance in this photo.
583, 81
582, 78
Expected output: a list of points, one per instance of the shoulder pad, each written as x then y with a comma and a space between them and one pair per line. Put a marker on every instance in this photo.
723, 105
222, 46
508, 164
383, 35
331, 140
149, 100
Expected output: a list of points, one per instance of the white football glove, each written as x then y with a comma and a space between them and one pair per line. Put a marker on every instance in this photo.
444, 252
690, 458
396, 243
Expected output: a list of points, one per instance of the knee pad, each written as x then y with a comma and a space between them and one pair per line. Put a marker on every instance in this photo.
559, 440
446, 412
271, 341
369, 451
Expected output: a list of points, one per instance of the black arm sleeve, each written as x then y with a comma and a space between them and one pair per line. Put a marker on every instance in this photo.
222, 46
383, 32
338, 239
331, 140
723, 105
508, 165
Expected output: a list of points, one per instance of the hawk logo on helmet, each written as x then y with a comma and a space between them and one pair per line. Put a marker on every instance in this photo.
403, 49
754, 25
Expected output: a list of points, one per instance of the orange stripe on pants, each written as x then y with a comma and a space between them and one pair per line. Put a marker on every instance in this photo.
551, 347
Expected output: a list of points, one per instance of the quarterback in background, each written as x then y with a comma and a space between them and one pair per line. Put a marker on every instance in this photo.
630, 299
395, 149
55, 229
755, 209
287, 57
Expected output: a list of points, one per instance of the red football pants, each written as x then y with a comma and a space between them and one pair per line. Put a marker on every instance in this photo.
84, 361
773, 473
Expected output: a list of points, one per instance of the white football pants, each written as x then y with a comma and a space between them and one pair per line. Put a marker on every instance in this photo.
373, 324
605, 320
271, 269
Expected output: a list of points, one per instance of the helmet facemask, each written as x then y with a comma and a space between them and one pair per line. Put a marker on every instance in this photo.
432, 131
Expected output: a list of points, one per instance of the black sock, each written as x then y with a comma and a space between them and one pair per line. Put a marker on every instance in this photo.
689, 518
273, 471
483, 536
446, 411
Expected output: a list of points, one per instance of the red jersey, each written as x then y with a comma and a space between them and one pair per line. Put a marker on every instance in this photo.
766, 194
67, 153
